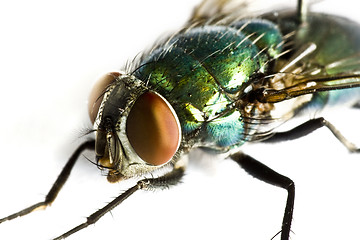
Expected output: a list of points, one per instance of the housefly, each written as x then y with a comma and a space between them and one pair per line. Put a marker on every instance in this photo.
255, 97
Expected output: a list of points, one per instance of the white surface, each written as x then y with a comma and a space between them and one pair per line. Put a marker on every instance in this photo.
51, 53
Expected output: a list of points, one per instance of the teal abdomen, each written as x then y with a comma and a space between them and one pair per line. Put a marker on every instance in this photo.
202, 71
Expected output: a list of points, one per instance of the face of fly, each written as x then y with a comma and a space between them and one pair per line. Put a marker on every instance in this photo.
137, 130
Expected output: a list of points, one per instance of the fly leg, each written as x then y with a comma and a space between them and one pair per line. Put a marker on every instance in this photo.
60, 181
162, 182
302, 9
308, 127
266, 174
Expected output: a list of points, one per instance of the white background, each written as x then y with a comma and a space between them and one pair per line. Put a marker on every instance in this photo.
50, 55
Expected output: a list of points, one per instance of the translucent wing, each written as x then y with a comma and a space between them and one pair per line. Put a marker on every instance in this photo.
293, 81
296, 78
208, 10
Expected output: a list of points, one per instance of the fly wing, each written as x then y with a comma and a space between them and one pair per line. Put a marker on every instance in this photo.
209, 10
295, 78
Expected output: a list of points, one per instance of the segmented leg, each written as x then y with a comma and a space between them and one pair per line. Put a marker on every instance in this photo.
302, 9
266, 174
308, 127
58, 184
165, 181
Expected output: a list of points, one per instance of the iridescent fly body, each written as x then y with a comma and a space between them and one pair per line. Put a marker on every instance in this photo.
224, 80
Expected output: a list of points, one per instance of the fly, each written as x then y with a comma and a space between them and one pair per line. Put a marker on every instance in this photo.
227, 78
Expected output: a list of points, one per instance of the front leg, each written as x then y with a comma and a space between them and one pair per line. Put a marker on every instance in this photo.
266, 174
162, 182
58, 184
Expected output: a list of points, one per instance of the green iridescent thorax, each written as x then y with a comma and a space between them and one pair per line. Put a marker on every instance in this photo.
265, 33
201, 72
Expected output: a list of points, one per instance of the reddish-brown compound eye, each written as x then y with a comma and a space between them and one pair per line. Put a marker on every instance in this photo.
152, 129
97, 93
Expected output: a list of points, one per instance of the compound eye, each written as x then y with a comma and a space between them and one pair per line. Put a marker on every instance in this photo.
97, 93
152, 129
